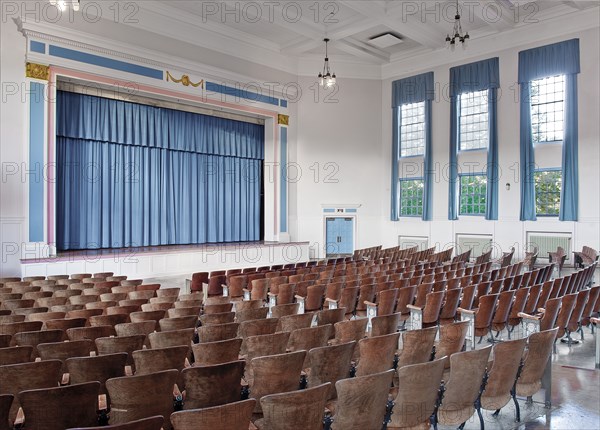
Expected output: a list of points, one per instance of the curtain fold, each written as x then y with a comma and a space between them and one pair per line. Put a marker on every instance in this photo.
569, 195
560, 58
395, 208
413, 89
536, 63
527, 157
95, 118
477, 76
113, 195
491, 210
428, 171
453, 161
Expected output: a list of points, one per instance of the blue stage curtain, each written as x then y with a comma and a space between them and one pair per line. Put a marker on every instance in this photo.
168, 177
478, 76
560, 58
413, 89
491, 210
527, 157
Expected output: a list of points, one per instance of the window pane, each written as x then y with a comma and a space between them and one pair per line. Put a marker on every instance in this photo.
411, 197
412, 129
472, 199
547, 109
473, 120
547, 192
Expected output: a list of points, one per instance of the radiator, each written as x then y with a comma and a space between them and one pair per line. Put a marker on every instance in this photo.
548, 242
478, 244
409, 241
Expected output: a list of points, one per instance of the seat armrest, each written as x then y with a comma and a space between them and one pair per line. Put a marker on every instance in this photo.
529, 317
415, 308
331, 304
368, 303
466, 311
595, 320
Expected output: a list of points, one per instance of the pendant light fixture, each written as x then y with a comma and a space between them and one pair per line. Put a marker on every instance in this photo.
457, 33
326, 78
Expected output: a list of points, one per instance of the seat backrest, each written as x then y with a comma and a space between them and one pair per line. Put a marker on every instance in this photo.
417, 346
72, 405
257, 327
463, 385
566, 309
279, 311
15, 378
166, 339
330, 364
539, 350
308, 338
276, 374
142, 396
214, 385
233, 416
34, 338
210, 353
330, 316
212, 319
360, 394
377, 353
130, 329
352, 330
15, 355
178, 323
214, 333
385, 324
126, 344
294, 322
98, 368
251, 314
503, 373
419, 386
148, 361
576, 315
294, 410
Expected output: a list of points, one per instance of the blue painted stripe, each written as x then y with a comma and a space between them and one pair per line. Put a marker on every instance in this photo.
329, 210
241, 94
36, 162
350, 211
37, 47
109, 63
284, 183
283, 103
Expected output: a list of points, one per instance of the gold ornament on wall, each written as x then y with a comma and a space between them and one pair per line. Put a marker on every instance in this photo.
283, 119
37, 71
185, 81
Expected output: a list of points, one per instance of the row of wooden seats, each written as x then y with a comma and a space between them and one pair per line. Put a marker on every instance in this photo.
280, 373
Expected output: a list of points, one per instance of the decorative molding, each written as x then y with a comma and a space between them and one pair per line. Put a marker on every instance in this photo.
283, 119
185, 81
37, 71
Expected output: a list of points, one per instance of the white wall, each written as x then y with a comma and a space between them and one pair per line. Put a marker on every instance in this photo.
13, 151
340, 138
508, 230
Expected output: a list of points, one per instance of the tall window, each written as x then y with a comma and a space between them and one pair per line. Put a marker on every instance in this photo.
472, 197
547, 192
473, 120
548, 109
411, 197
412, 129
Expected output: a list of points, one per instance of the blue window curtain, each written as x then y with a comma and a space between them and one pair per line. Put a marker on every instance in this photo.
478, 76
413, 89
550, 60
137, 175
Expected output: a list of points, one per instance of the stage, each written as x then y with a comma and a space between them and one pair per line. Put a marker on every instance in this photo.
161, 261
